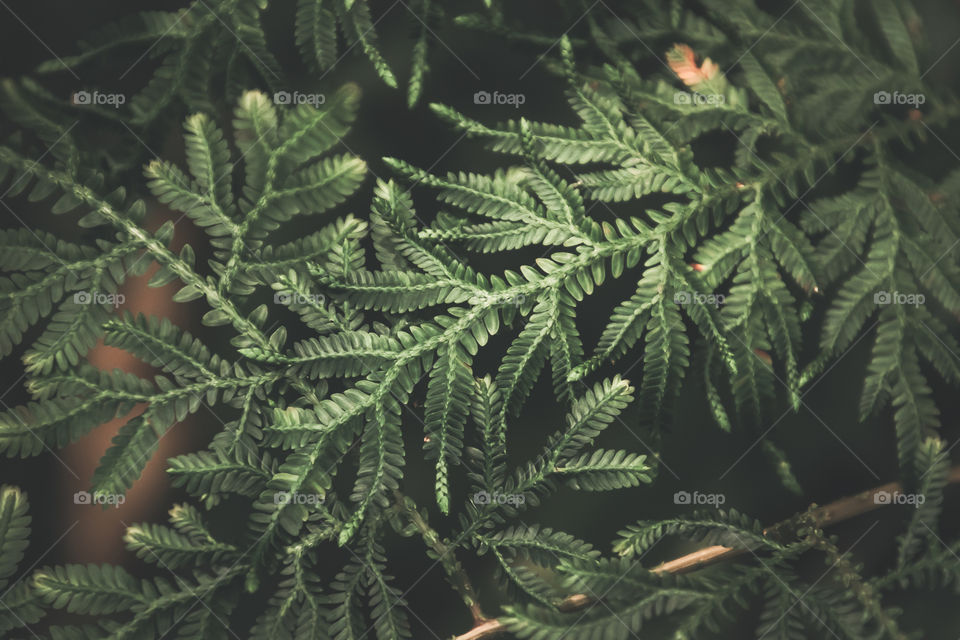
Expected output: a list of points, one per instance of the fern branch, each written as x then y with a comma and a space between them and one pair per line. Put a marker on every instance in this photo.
833, 513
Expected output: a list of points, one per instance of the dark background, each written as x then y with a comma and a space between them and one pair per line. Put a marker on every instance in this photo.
695, 452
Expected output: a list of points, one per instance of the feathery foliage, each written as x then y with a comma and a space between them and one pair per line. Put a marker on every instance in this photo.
361, 355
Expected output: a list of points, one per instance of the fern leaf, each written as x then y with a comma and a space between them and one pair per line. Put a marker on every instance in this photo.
603, 470
445, 411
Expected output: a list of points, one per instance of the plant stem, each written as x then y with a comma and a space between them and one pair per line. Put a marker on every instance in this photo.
445, 555
848, 574
837, 511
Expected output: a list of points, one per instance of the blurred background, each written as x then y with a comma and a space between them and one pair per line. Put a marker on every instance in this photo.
832, 454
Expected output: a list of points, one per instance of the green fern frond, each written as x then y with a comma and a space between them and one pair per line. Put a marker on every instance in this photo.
187, 543
729, 528
445, 412
698, 194
21, 607
933, 466
604, 470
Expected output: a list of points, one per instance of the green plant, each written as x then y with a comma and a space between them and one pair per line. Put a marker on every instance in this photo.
721, 268
226, 42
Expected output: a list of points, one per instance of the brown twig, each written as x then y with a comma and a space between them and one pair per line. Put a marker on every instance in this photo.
837, 511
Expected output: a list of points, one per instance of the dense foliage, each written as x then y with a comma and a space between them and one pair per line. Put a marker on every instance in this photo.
721, 269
